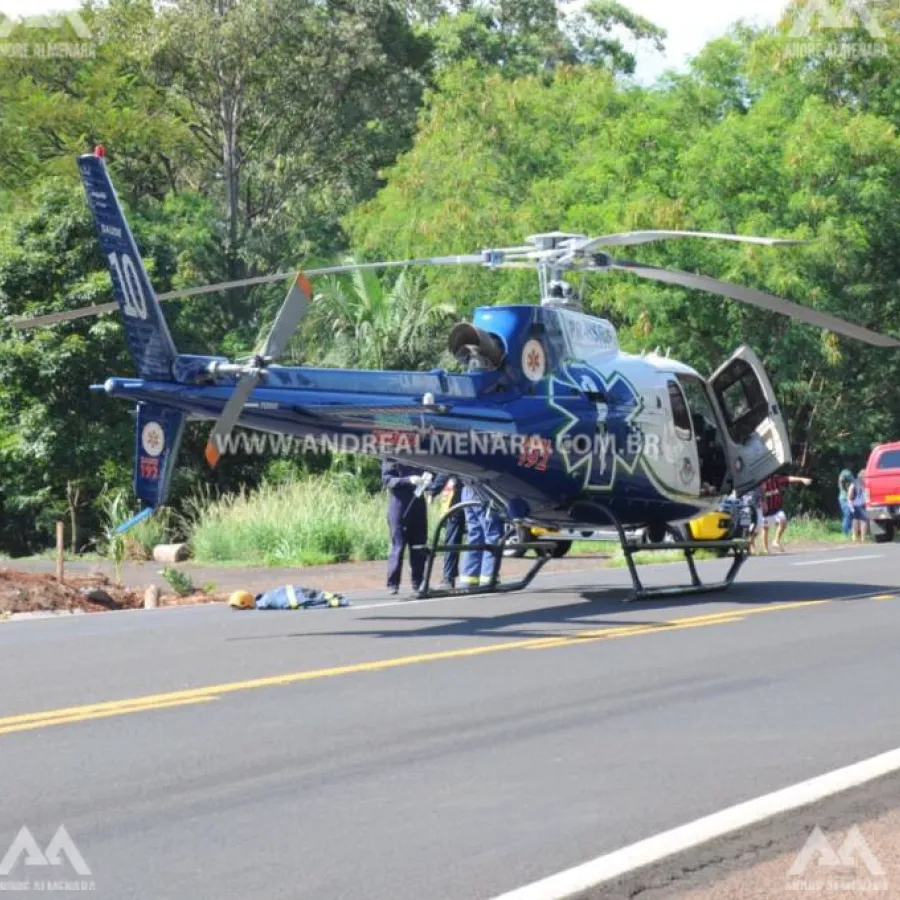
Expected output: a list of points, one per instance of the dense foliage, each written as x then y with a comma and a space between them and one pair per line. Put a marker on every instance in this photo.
248, 135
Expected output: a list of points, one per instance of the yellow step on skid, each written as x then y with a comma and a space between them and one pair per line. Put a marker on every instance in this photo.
714, 526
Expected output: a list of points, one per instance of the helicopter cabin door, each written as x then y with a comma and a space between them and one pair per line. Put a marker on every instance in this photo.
757, 440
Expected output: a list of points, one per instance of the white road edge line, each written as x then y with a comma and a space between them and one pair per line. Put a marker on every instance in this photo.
685, 837
846, 559
413, 601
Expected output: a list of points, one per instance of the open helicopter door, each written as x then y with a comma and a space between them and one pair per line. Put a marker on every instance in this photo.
757, 440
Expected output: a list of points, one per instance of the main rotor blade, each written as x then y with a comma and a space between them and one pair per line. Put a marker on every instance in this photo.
231, 413
632, 238
54, 318
292, 311
754, 298
98, 309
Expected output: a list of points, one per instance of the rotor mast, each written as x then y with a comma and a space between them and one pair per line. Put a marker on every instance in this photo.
555, 291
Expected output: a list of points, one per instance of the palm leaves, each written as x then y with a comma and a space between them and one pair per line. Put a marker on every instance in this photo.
359, 320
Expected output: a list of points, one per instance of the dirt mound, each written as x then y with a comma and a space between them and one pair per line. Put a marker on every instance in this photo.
26, 592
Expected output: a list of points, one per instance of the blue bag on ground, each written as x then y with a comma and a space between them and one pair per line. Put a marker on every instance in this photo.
292, 597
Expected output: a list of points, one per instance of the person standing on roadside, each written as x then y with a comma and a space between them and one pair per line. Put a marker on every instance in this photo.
449, 489
407, 520
772, 490
845, 481
484, 526
856, 497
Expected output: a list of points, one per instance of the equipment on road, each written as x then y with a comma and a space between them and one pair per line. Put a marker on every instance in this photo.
241, 600
288, 597
554, 422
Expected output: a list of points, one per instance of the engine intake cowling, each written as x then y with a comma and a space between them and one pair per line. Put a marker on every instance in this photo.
475, 348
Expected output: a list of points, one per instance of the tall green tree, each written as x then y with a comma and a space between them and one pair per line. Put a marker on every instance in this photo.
295, 107
521, 37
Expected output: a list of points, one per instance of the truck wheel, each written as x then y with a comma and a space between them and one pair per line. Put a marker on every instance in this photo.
560, 549
883, 534
522, 536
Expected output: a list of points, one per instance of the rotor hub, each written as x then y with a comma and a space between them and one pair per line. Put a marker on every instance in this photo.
560, 293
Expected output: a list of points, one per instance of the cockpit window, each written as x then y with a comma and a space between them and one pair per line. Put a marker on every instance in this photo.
700, 408
742, 399
680, 414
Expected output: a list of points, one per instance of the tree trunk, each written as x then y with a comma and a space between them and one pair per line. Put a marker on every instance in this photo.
231, 175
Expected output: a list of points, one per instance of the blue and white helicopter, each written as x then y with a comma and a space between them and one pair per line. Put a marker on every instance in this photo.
559, 427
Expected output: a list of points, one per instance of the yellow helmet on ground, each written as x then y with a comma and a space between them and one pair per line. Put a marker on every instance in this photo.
242, 600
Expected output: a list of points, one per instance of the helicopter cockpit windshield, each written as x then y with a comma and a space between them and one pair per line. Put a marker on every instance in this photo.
711, 451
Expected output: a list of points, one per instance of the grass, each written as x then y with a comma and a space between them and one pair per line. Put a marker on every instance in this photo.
314, 521
808, 527
593, 548
657, 556
140, 541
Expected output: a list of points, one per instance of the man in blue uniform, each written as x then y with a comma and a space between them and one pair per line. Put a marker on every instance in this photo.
483, 526
453, 528
407, 520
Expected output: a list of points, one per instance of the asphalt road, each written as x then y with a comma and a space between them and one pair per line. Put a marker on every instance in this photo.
449, 749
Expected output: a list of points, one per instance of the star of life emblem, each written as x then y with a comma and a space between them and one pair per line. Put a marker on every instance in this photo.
534, 360
153, 439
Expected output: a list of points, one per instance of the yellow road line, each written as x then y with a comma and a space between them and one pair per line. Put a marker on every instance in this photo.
69, 715
608, 634
722, 618
73, 716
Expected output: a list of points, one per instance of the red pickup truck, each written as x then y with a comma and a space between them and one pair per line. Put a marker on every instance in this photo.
882, 483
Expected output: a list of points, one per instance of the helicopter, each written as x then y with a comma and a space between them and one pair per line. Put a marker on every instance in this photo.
557, 425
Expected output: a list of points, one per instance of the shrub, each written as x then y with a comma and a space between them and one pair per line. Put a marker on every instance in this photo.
320, 519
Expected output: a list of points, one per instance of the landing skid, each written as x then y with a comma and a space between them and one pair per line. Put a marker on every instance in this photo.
495, 586
739, 549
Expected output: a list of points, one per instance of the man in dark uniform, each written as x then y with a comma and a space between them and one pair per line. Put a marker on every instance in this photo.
407, 520
451, 487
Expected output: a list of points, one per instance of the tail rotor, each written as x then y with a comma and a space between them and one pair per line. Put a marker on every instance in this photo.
286, 322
